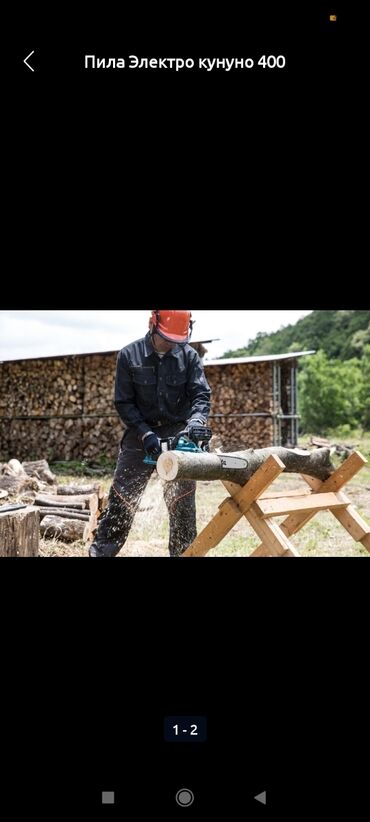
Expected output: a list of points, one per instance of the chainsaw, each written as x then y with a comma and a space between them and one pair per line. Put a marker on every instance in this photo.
197, 442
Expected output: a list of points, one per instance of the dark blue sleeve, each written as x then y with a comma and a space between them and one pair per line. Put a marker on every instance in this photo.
198, 389
124, 397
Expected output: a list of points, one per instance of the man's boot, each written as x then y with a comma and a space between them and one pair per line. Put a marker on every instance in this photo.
107, 550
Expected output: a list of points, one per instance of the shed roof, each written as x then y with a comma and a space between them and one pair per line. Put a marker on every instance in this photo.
84, 353
292, 355
225, 361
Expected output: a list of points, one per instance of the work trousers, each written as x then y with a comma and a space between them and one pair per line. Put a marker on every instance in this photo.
130, 479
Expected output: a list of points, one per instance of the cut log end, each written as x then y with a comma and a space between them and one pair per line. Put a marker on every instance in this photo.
167, 466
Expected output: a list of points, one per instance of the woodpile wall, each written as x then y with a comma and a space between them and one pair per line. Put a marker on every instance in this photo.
238, 391
62, 408
59, 408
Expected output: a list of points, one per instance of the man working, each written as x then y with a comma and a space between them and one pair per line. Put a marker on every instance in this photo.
161, 389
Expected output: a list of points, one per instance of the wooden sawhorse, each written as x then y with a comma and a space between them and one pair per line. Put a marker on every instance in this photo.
260, 507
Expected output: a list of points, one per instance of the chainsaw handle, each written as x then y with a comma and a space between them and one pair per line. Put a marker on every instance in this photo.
175, 439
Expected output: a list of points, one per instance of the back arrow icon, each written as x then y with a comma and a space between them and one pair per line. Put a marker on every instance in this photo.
27, 58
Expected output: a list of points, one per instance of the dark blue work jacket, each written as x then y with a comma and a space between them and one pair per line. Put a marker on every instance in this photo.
152, 390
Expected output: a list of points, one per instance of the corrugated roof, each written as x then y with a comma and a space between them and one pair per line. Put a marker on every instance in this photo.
85, 353
263, 358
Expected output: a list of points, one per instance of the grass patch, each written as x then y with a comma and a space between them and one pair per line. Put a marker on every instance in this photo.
83, 468
323, 536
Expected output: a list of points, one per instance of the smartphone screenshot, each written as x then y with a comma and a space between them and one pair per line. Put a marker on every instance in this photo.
196, 156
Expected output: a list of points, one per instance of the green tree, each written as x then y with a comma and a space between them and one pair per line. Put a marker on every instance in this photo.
360, 340
330, 393
365, 390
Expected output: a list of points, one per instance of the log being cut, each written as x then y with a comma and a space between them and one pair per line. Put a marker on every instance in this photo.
210, 466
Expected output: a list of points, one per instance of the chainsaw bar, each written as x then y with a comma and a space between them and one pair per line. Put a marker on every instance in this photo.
233, 462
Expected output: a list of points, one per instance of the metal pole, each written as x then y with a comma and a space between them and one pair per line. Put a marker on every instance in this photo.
274, 402
292, 405
296, 403
279, 403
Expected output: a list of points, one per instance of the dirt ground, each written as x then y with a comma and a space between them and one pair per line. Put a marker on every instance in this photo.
322, 537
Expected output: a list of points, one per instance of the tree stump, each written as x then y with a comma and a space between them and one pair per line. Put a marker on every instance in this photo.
19, 533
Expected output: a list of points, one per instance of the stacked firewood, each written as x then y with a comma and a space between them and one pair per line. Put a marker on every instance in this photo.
29, 389
236, 391
64, 410
64, 407
101, 436
66, 512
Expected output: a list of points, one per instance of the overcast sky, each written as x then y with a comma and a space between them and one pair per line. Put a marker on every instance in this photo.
26, 334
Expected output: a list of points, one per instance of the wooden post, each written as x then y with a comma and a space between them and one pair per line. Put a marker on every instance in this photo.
231, 510
348, 517
19, 533
274, 542
340, 477
260, 507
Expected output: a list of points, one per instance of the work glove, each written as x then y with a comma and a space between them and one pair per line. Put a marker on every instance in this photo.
151, 444
192, 424
194, 430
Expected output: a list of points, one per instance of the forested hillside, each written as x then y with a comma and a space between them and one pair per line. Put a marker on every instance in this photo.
340, 334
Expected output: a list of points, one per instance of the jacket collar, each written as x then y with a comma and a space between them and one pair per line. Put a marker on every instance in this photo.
149, 350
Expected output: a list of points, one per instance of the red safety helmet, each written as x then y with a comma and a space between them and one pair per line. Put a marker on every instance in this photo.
173, 326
